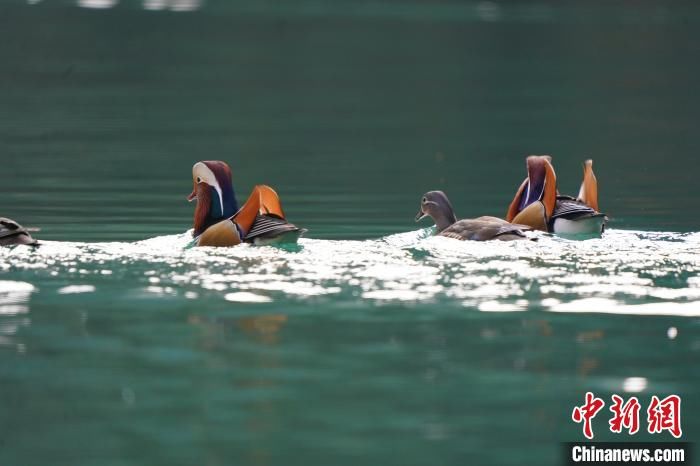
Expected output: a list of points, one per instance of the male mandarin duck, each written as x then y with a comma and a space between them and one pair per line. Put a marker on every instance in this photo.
12, 233
436, 205
538, 203
219, 222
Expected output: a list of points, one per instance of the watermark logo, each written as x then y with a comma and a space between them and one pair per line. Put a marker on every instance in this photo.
665, 415
625, 415
587, 412
662, 415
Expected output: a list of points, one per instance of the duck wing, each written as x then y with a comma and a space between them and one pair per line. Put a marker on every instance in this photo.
268, 226
570, 208
484, 229
262, 220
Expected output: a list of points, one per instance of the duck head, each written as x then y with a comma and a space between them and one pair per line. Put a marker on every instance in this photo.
540, 185
213, 190
436, 205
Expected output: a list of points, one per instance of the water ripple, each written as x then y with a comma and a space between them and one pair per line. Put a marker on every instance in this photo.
628, 272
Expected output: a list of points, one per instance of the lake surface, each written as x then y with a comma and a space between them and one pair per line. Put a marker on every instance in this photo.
371, 342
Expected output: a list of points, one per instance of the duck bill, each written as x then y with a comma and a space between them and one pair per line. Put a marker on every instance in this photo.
420, 215
192, 196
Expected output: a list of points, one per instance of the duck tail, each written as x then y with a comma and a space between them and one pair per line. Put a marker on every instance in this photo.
588, 194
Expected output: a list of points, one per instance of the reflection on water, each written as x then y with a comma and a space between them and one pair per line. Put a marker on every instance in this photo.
14, 297
97, 3
634, 384
215, 335
154, 5
483, 11
14, 303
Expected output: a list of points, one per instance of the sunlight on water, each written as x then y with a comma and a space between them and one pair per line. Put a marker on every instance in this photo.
14, 296
154, 5
14, 299
625, 272
634, 384
99, 4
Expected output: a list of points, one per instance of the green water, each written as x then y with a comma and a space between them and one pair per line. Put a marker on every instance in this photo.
370, 343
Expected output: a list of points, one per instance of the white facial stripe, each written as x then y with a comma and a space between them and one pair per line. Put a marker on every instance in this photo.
221, 199
544, 186
527, 190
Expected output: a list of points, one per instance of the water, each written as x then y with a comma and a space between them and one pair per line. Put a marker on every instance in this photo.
372, 341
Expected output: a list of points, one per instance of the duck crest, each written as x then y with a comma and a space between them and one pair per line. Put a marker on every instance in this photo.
227, 204
540, 185
216, 199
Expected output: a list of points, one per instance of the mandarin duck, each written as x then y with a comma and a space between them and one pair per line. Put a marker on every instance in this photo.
435, 204
538, 204
219, 222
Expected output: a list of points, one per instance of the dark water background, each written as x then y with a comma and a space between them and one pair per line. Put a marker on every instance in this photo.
351, 110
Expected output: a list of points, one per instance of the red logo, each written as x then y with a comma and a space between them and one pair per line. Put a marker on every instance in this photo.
661, 415
665, 415
626, 415
587, 412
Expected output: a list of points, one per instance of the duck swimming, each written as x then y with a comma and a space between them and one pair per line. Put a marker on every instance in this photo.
538, 204
12, 233
436, 205
219, 222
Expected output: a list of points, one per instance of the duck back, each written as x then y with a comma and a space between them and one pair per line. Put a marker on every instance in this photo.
485, 229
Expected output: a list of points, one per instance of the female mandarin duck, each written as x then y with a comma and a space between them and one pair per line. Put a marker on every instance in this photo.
436, 205
12, 233
219, 222
538, 203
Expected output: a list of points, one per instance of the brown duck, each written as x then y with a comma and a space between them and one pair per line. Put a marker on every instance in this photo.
12, 233
436, 205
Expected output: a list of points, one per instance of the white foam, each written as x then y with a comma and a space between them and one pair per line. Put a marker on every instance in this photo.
624, 272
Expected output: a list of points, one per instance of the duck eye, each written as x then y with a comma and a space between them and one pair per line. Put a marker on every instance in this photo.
425, 199
199, 180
